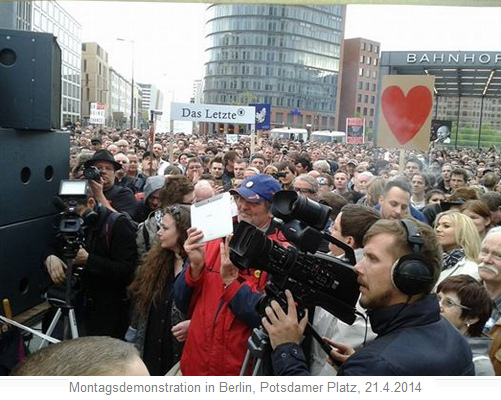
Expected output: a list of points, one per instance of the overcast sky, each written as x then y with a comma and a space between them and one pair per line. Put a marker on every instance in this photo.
169, 37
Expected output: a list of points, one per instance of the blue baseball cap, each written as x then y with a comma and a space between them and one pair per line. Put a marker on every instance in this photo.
258, 188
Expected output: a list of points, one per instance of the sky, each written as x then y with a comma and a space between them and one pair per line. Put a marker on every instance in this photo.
169, 37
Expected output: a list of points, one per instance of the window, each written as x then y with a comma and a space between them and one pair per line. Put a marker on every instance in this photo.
360, 72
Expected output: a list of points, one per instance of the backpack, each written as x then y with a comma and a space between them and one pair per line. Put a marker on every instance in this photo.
147, 232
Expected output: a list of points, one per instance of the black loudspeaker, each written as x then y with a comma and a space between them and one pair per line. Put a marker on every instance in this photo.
30, 80
31, 166
412, 274
22, 251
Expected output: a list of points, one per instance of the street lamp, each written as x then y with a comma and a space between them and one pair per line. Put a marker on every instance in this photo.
132, 83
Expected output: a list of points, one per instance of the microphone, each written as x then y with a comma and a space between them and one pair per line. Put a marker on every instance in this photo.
58, 203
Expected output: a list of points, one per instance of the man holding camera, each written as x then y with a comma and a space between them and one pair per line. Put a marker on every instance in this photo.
220, 298
101, 168
401, 264
105, 262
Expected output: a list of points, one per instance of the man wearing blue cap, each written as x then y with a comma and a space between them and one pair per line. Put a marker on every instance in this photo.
219, 298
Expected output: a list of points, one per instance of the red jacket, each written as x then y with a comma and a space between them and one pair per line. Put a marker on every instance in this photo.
222, 318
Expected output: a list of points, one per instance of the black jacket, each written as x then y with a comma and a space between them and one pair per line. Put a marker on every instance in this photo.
101, 304
413, 340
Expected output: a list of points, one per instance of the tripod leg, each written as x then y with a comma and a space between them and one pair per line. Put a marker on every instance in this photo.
73, 323
255, 371
52, 326
245, 364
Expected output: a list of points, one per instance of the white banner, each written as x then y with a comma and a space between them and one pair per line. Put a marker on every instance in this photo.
212, 113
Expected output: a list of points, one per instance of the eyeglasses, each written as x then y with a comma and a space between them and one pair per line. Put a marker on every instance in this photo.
448, 303
303, 190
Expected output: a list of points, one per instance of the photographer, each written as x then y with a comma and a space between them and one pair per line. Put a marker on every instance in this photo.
102, 183
402, 262
105, 265
219, 298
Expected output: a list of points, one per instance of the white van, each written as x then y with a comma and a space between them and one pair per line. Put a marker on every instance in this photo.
289, 134
328, 136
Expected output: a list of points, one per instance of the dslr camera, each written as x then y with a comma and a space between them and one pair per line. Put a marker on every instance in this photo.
93, 173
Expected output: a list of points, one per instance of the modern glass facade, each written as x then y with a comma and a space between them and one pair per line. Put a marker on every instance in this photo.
288, 56
50, 16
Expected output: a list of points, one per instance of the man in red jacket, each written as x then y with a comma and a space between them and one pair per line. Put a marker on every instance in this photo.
219, 298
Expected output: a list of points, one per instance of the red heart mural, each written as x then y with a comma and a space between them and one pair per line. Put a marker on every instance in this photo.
406, 115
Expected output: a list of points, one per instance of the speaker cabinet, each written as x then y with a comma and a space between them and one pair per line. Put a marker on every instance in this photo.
22, 251
30, 80
31, 166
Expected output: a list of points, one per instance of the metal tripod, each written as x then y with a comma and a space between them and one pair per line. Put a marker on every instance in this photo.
258, 347
65, 310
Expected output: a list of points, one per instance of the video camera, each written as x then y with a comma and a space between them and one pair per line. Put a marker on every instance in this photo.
70, 230
315, 279
70, 227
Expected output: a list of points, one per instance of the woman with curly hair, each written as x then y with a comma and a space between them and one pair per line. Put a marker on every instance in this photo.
159, 328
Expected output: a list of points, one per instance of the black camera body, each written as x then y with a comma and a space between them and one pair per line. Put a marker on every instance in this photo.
314, 278
92, 172
70, 224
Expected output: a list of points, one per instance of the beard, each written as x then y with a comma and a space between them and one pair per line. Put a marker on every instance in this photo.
379, 301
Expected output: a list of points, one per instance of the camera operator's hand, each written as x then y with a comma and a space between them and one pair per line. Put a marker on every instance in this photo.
340, 352
195, 251
228, 271
56, 268
98, 192
81, 258
180, 331
284, 328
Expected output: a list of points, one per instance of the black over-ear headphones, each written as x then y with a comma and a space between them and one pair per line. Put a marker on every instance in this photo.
412, 274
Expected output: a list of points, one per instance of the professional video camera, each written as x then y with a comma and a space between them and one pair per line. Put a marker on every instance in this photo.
314, 279
71, 232
69, 226
70, 223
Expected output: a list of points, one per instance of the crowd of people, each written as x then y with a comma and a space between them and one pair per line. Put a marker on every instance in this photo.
423, 228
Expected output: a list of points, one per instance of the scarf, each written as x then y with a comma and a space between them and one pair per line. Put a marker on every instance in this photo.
451, 258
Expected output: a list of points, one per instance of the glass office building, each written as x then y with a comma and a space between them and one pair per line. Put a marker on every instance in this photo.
287, 56
51, 17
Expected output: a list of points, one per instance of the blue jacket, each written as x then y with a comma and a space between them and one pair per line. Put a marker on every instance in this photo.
413, 210
413, 340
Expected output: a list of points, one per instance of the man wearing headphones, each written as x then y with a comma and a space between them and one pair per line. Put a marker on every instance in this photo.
106, 265
402, 262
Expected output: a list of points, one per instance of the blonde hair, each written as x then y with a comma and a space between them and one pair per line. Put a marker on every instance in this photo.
465, 233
